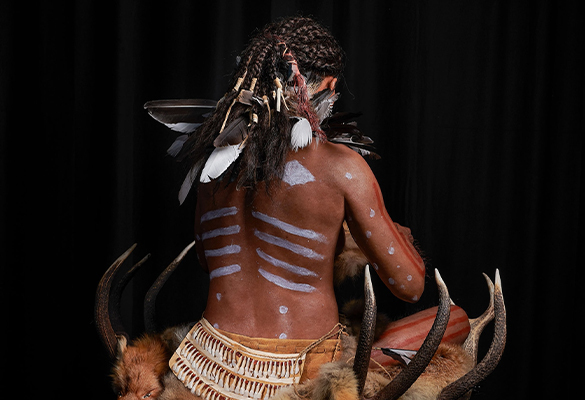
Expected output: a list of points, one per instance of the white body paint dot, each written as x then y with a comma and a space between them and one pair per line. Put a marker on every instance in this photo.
398, 266
368, 234
282, 336
409, 278
391, 250
283, 309
375, 266
348, 175
415, 298
218, 295
216, 326
372, 213
391, 281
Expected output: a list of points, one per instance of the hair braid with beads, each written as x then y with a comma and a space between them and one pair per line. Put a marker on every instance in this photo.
317, 55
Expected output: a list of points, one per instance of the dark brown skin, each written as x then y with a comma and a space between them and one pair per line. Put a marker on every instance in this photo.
248, 301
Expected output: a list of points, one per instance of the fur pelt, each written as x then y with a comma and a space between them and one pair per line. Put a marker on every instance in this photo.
174, 389
351, 261
352, 313
449, 363
337, 380
139, 367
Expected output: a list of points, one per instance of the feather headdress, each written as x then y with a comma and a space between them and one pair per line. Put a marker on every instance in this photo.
186, 115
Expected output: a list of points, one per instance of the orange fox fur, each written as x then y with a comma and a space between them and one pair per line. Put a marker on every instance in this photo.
139, 366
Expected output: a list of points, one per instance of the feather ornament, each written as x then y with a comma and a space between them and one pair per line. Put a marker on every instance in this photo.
341, 128
183, 127
403, 356
189, 179
365, 152
177, 145
234, 133
323, 103
219, 161
301, 134
184, 115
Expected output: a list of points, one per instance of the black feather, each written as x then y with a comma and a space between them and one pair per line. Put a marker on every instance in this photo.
341, 128
235, 132
183, 115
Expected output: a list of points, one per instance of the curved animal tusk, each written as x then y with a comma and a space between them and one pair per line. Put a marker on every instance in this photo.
366, 338
461, 386
409, 374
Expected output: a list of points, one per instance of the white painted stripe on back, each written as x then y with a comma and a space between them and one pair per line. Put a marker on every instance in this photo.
306, 233
286, 284
284, 265
223, 271
220, 212
222, 251
285, 244
228, 230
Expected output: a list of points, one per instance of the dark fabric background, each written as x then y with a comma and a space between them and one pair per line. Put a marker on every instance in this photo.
477, 108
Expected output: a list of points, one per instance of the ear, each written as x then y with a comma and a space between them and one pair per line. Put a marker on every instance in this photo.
332, 84
328, 82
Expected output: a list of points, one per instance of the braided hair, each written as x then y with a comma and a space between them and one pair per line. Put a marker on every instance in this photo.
299, 43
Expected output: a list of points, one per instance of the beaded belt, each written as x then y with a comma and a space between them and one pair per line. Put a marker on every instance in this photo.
215, 367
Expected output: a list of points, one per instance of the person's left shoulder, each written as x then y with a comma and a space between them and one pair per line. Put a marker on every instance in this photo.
347, 163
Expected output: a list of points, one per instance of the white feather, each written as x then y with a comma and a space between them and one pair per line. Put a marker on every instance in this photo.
188, 182
177, 145
183, 127
219, 160
301, 134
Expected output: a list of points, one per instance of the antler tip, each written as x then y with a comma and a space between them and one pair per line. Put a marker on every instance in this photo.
125, 255
185, 251
368, 286
438, 277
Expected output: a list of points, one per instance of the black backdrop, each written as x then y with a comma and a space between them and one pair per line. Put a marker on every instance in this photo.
476, 106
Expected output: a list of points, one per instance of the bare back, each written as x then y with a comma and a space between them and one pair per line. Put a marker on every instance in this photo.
270, 257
